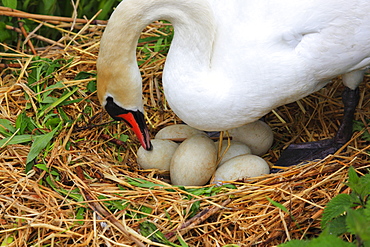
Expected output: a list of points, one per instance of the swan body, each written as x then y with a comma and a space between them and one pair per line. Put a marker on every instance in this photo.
231, 62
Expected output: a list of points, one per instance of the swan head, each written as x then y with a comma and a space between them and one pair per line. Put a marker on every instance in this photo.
134, 119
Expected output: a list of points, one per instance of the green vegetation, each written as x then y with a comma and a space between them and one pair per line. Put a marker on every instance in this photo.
346, 215
63, 8
360, 126
85, 8
46, 104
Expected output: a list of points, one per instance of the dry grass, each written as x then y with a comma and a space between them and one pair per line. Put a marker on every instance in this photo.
94, 172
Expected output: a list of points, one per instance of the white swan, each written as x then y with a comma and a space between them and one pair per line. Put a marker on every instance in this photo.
231, 62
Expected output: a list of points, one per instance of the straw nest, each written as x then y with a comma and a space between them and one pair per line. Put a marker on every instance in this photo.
97, 172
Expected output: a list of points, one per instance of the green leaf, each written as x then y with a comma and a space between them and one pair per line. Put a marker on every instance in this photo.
4, 33
57, 102
207, 191
353, 178
142, 183
295, 243
7, 241
68, 102
91, 86
158, 45
54, 173
48, 100
53, 65
7, 124
123, 138
74, 194
49, 89
359, 185
84, 75
42, 167
149, 230
21, 122
25, 4
120, 205
194, 209
146, 210
195, 191
24, 123
80, 215
364, 192
63, 115
326, 241
184, 244
10, 3
321, 241
6, 127
36, 71
16, 139
278, 205
147, 39
53, 122
49, 6
361, 189
39, 143
337, 226
367, 210
50, 181
358, 224
230, 186
359, 126
106, 7
337, 206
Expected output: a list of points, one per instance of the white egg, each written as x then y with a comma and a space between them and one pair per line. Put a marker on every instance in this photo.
158, 158
258, 136
177, 131
234, 149
240, 167
194, 161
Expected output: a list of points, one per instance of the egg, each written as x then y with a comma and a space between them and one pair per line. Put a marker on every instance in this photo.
258, 136
194, 161
158, 158
177, 131
234, 149
241, 167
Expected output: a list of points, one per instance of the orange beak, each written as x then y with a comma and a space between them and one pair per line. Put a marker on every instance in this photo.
136, 121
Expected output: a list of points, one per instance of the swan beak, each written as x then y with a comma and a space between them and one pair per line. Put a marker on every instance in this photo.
135, 119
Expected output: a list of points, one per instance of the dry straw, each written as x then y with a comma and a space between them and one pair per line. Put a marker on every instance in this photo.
97, 170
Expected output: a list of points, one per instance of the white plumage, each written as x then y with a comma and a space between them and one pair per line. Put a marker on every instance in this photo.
232, 61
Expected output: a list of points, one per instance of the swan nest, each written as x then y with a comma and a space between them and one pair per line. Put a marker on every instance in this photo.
87, 189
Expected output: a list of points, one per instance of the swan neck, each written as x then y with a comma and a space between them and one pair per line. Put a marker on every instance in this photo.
190, 50
192, 20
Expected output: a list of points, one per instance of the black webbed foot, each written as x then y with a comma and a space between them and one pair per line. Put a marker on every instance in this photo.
297, 153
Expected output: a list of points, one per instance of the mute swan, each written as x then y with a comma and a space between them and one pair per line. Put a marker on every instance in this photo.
231, 62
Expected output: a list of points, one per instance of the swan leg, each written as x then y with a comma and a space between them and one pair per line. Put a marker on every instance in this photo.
297, 153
